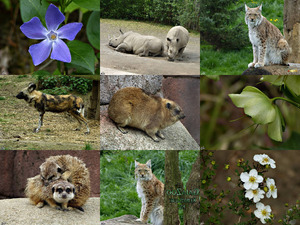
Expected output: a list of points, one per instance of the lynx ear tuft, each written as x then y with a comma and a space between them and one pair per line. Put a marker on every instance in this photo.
136, 163
148, 163
246, 8
260, 8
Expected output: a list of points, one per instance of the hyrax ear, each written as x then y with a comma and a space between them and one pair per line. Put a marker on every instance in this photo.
31, 87
168, 105
148, 163
53, 190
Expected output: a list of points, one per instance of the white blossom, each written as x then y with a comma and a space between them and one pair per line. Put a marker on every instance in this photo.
262, 212
251, 179
256, 194
272, 190
264, 159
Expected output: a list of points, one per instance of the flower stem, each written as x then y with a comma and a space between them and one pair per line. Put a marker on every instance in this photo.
285, 99
46, 64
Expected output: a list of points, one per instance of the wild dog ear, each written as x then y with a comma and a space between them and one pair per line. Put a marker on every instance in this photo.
31, 87
148, 163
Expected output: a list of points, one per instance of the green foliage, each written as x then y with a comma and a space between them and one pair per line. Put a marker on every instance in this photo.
170, 12
222, 24
2, 98
90, 4
62, 84
118, 185
32, 8
93, 31
88, 146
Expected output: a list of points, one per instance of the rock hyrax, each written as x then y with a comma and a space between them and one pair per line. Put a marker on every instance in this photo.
68, 168
132, 107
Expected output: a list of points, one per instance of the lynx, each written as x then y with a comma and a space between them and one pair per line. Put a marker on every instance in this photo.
151, 192
269, 46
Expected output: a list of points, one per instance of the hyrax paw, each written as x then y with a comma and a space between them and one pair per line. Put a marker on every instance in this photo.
257, 65
251, 65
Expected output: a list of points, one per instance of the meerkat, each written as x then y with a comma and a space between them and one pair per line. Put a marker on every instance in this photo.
59, 191
71, 169
132, 107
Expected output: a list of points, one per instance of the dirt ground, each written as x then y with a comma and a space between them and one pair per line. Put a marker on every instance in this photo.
110, 59
18, 119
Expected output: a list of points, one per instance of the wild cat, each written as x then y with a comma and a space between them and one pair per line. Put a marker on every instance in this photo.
269, 46
151, 192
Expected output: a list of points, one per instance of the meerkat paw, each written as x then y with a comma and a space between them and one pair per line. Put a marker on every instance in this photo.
251, 64
58, 207
257, 65
40, 205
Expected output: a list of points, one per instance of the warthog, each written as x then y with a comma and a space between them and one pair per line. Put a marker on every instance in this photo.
177, 39
138, 44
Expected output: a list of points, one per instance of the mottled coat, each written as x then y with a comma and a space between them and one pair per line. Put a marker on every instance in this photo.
151, 192
53, 103
132, 107
269, 45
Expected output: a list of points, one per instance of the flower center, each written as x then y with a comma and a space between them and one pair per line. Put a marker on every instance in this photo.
52, 36
264, 212
265, 160
254, 192
252, 179
272, 187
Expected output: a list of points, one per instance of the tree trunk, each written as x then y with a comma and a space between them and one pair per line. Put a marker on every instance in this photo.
172, 183
94, 109
291, 28
192, 210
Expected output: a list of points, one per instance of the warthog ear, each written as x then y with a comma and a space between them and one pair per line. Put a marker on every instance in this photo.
121, 31
31, 87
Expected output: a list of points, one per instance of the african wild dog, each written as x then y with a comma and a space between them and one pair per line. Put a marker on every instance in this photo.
53, 103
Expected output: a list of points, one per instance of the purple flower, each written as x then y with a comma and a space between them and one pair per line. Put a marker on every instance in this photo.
52, 36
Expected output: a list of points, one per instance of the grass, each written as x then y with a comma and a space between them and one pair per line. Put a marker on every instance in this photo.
224, 62
88, 146
118, 185
2, 98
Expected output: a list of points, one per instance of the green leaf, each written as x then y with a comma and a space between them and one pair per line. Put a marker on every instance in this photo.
72, 6
275, 128
82, 55
7, 4
256, 105
292, 143
93, 30
32, 8
293, 83
89, 4
277, 80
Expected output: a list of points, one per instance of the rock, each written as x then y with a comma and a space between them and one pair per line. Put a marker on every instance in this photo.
21, 211
111, 84
292, 69
176, 137
17, 166
122, 220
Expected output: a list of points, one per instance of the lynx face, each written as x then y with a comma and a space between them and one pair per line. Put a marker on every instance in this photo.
253, 15
143, 171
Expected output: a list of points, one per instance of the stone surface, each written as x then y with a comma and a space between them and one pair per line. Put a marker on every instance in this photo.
110, 71
186, 93
111, 84
20, 211
122, 220
176, 137
17, 166
292, 69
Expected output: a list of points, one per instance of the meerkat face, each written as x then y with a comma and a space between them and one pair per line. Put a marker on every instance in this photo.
63, 191
50, 172
176, 112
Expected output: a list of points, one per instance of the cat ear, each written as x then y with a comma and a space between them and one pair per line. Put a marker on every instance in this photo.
260, 7
246, 8
136, 163
149, 163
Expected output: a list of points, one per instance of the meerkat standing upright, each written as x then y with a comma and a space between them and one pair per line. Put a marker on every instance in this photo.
132, 107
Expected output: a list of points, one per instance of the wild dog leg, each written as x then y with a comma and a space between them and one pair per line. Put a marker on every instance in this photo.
40, 122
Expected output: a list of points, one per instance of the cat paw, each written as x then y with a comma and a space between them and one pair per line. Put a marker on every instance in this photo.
251, 65
257, 65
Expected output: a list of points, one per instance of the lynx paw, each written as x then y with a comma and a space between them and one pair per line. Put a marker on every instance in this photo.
251, 65
257, 65
140, 220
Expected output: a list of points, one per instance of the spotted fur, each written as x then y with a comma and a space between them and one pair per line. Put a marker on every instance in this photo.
151, 192
53, 103
269, 45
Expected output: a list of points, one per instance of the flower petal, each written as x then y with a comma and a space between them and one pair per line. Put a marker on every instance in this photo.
60, 51
69, 31
244, 176
40, 52
34, 29
53, 17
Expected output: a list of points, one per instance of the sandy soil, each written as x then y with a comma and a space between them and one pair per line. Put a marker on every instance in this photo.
18, 119
109, 58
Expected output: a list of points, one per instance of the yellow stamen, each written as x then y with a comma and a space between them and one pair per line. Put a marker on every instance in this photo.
53, 36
